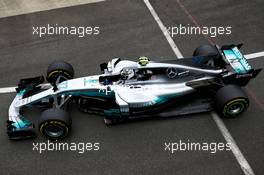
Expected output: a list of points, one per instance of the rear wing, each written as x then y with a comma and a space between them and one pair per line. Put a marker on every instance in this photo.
235, 61
233, 57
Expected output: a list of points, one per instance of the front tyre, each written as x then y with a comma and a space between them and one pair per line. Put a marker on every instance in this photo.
231, 101
55, 124
60, 69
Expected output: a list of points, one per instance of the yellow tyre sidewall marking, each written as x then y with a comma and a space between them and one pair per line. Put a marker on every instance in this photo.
54, 122
59, 71
240, 99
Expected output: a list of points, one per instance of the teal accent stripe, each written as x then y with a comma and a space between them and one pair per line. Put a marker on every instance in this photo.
165, 98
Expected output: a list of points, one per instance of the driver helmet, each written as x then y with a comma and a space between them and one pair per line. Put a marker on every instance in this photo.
127, 73
143, 61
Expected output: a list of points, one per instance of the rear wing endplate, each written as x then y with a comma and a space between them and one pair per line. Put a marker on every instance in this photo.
236, 59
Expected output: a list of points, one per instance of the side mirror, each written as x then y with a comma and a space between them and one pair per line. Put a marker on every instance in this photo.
103, 66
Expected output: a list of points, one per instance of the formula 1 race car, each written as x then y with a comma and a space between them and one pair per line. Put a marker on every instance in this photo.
210, 80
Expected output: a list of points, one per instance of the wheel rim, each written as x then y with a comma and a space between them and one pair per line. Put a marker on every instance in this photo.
236, 108
54, 131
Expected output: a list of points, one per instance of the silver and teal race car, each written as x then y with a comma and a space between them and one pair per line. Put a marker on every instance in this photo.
210, 80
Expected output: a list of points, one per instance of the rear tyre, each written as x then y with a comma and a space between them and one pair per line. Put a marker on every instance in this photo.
59, 69
55, 124
207, 51
231, 101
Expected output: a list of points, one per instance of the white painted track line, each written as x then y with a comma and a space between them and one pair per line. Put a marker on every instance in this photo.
254, 55
13, 89
7, 90
164, 30
19, 7
235, 149
226, 134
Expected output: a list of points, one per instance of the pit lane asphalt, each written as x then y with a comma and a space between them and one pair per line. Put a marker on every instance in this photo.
127, 31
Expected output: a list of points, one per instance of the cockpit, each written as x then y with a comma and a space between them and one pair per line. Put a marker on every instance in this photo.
127, 74
124, 71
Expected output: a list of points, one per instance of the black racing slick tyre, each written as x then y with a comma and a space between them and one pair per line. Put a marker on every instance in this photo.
55, 124
210, 51
231, 101
59, 69
205, 50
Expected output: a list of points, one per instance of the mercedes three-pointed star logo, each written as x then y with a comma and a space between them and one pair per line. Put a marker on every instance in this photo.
172, 72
